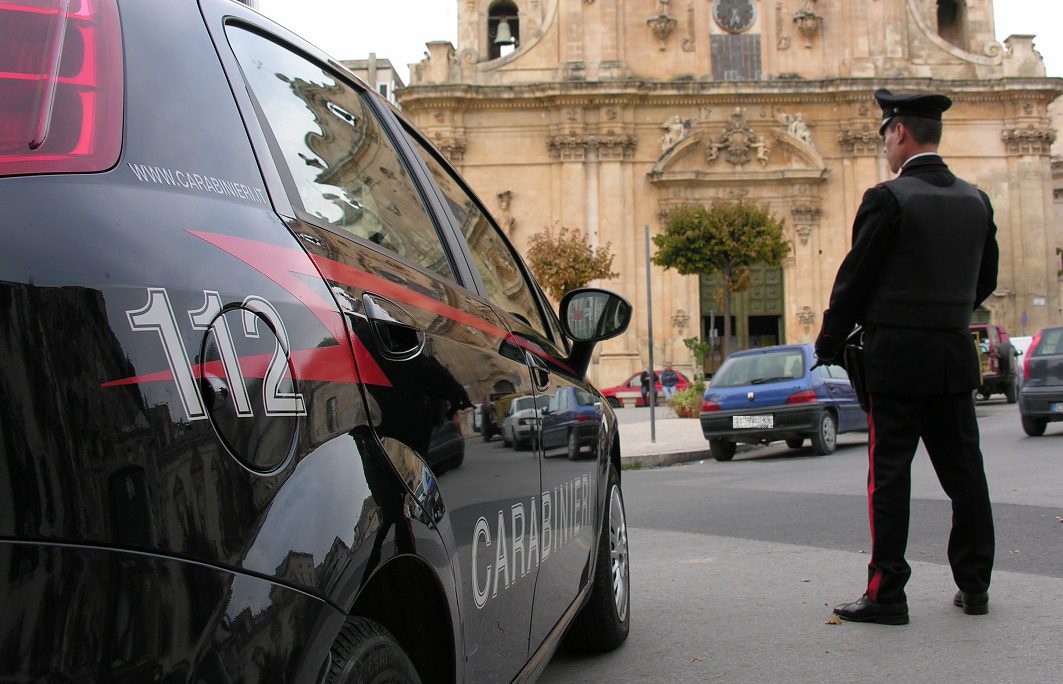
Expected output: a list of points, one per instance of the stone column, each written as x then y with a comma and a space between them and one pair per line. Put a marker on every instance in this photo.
1029, 281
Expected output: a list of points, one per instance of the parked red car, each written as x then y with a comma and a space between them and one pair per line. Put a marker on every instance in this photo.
634, 384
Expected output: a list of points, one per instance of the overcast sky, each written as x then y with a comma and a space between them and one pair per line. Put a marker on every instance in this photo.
398, 29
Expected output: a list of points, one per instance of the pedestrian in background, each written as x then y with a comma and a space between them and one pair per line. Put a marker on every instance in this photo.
647, 383
924, 256
669, 379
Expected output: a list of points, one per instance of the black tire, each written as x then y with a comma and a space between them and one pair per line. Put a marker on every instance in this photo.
614, 402
604, 622
825, 438
366, 652
573, 445
795, 443
1034, 427
1011, 392
722, 450
505, 442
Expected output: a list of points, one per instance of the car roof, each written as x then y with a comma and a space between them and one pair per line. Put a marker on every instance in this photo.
803, 346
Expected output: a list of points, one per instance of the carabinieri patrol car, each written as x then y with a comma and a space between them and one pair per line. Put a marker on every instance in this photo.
248, 314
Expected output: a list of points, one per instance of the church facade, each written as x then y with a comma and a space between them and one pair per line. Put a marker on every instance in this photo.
603, 115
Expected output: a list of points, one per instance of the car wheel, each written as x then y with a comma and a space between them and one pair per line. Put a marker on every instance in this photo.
505, 442
983, 395
1034, 427
613, 401
366, 652
825, 438
603, 623
722, 450
795, 443
1010, 391
573, 446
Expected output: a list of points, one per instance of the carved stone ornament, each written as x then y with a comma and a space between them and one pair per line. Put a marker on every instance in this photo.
806, 218
689, 42
614, 146
806, 316
782, 41
569, 147
859, 141
504, 217
1029, 140
452, 147
738, 142
675, 129
662, 24
797, 127
680, 320
808, 22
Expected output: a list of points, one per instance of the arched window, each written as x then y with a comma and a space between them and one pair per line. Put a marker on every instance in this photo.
503, 29
952, 22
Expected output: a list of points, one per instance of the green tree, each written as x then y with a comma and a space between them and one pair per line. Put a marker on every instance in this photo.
725, 237
699, 349
565, 260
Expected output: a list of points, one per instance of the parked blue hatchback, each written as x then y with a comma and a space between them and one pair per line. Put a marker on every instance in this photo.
770, 394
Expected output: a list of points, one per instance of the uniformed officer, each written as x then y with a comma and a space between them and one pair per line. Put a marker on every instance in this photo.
924, 256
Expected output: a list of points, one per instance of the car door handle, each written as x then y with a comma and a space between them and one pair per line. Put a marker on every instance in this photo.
397, 333
540, 373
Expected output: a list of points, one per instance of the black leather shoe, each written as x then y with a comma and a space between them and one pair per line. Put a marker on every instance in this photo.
866, 610
972, 604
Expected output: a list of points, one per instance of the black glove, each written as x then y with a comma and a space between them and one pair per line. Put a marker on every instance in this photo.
828, 349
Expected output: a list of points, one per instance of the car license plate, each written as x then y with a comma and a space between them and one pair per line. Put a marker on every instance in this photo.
752, 421
1056, 408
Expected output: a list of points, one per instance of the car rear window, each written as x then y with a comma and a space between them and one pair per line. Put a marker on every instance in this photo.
1051, 343
758, 369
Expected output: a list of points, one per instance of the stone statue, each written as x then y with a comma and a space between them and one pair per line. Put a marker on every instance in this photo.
675, 130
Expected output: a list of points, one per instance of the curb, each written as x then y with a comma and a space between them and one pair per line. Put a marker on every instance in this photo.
665, 459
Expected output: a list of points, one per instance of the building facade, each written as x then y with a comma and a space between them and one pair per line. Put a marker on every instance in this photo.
606, 114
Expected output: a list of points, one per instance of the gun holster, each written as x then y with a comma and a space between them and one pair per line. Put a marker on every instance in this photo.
852, 357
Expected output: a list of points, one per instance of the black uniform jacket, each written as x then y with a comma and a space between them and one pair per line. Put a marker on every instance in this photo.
910, 356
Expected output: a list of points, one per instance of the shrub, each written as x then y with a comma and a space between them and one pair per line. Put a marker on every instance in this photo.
687, 403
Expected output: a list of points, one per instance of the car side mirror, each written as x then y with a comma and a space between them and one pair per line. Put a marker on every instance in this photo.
590, 315
593, 315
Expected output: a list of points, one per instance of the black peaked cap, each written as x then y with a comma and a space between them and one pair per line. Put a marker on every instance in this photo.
926, 106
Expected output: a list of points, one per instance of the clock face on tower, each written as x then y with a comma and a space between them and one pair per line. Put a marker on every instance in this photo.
734, 16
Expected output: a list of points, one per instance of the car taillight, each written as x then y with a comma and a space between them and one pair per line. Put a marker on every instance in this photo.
709, 406
1029, 352
582, 418
802, 397
61, 86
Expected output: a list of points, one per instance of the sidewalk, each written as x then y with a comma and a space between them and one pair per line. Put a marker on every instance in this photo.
677, 439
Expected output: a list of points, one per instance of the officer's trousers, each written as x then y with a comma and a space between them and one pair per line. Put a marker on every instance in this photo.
949, 430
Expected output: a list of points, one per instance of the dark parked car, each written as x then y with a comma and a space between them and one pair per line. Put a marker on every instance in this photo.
999, 361
1041, 395
770, 394
570, 421
247, 314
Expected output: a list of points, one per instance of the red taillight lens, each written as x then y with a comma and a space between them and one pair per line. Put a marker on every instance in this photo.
582, 418
802, 397
1029, 352
61, 86
709, 406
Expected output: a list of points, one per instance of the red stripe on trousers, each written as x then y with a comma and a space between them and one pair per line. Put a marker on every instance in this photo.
876, 579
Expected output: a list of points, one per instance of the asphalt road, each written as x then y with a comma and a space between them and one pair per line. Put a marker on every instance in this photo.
735, 568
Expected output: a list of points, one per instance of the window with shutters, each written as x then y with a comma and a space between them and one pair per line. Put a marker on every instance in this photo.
735, 57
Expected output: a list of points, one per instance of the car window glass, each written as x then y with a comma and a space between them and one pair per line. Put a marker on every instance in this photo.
1051, 343
635, 381
585, 398
838, 372
344, 167
759, 369
501, 274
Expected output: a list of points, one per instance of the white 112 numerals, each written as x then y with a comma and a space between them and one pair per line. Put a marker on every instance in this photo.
158, 316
